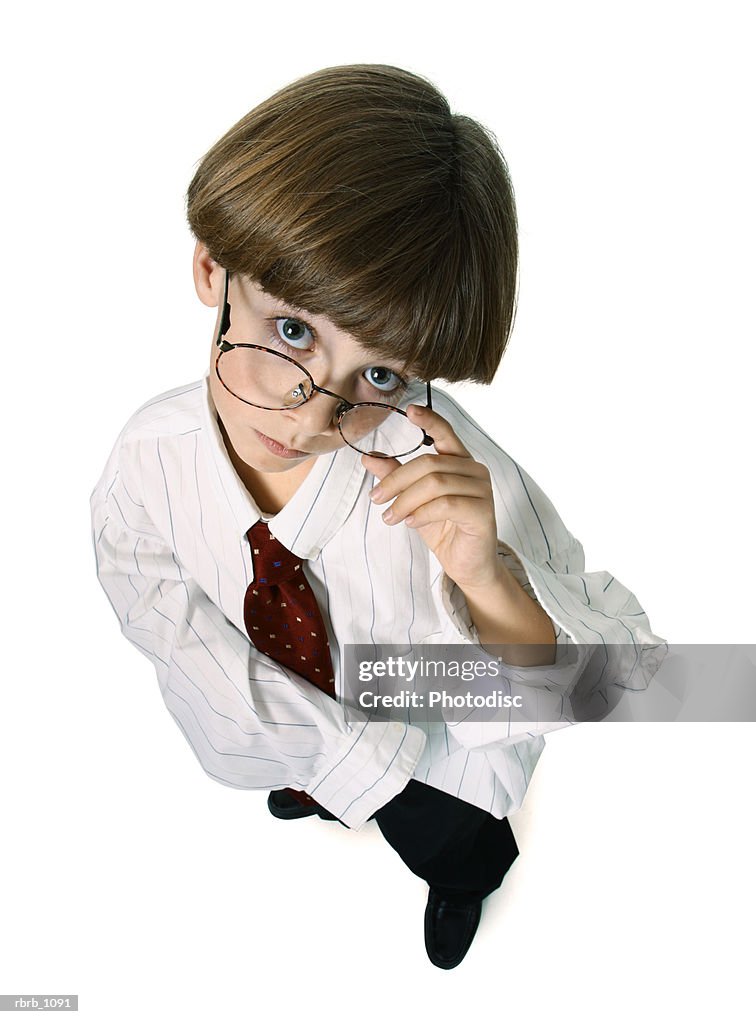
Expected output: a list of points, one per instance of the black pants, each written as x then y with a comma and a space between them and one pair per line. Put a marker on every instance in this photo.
460, 850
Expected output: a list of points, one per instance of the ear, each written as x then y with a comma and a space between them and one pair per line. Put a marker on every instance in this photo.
208, 276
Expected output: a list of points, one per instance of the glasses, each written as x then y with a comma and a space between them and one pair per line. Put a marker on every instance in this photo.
265, 379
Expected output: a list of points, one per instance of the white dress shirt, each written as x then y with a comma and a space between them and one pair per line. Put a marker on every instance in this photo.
170, 516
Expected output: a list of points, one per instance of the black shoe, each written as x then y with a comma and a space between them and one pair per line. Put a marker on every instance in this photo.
283, 805
450, 927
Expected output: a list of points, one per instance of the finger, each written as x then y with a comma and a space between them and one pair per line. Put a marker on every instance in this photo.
431, 487
380, 467
437, 466
471, 514
445, 440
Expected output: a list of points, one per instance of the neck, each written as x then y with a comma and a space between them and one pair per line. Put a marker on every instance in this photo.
270, 491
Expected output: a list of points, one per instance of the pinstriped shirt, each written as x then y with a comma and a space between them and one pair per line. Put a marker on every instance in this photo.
169, 520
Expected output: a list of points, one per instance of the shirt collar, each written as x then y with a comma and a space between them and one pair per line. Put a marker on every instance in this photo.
316, 511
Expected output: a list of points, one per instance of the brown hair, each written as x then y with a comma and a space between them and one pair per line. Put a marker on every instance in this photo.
356, 194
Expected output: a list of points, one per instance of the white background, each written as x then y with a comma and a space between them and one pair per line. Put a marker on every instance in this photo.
131, 878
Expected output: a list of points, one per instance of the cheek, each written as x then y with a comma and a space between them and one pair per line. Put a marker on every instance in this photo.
238, 421
238, 418
227, 405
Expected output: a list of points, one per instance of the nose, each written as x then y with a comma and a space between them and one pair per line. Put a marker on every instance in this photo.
318, 415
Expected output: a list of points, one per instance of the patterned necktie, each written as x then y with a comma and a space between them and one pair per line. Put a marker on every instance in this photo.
283, 619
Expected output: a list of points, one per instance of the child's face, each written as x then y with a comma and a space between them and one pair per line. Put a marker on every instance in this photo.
275, 441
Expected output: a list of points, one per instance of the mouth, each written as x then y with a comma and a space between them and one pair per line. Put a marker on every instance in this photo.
279, 449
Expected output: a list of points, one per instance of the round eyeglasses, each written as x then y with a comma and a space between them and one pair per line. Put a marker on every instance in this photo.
265, 379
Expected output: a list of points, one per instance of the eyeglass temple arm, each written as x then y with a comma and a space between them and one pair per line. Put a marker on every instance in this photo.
427, 439
225, 323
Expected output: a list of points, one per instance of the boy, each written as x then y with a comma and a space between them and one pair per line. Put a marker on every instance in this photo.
358, 241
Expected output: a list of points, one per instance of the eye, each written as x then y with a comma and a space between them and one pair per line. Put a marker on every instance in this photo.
294, 332
384, 379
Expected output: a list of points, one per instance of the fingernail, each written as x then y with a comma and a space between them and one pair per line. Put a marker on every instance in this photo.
376, 494
388, 516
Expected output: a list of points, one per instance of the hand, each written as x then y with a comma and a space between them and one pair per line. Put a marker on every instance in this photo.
447, 498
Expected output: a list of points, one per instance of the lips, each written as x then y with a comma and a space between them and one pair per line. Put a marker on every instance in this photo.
279, 449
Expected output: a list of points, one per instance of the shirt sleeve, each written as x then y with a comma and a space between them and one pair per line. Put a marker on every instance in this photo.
604, 643
251, 723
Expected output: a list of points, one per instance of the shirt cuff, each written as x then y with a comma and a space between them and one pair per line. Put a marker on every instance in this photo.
372, 765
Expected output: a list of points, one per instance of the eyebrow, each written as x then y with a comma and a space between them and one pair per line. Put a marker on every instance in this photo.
270, 299
299, 310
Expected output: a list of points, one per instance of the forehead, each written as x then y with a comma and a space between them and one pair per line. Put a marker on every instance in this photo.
254, 296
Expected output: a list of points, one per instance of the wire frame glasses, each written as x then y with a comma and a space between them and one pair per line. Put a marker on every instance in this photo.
265, 379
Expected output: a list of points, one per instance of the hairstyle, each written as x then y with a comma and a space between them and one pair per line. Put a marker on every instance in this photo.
356, 194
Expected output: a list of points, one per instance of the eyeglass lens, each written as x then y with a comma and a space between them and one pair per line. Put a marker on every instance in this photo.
268, 380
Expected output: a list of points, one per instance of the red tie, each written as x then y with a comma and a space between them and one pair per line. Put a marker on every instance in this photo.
283, 619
